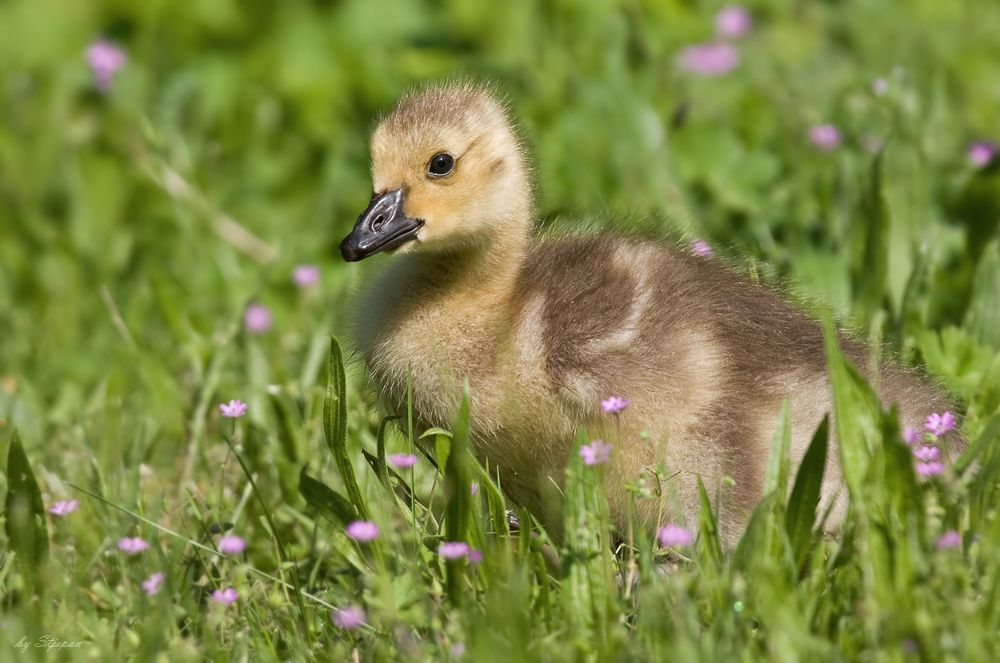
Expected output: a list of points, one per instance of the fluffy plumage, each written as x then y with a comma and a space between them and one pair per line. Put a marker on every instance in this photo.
544, 329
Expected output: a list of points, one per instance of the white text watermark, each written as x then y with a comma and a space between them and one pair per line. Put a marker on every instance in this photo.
47, 642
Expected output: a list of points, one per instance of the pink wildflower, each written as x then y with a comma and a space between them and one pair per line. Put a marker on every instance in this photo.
350, 617
362, 530
232, 545
732, 21
927, 453
257, 318
615, 404
234, 409
154, 583
911, 436
825, 136
105, 59
132, 546
306, 275
939, 424
950, 539
675, 536
596, 452
981, 153
226, 596
453, 549
700, 248
929, 469
403, 460
711, 59
64, 508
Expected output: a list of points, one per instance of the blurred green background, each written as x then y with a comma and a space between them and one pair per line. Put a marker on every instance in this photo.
138, 222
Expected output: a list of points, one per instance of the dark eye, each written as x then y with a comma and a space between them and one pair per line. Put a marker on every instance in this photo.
441, 164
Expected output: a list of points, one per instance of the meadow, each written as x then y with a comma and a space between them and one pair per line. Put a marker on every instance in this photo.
175, 178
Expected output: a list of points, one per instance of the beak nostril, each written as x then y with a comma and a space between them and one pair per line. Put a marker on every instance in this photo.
382, 226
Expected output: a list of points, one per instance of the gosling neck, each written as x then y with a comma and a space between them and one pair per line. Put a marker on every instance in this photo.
486, 268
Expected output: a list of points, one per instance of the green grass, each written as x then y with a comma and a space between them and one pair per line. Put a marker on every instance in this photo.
137, 225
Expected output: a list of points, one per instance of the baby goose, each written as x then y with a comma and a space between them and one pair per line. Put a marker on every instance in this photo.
545, 329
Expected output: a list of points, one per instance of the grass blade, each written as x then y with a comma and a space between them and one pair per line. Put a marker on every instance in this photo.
457, 475
801, 514
903, 495
333, 507
377, 461
857, 413
757, 538
335, 425
587, 583
981, 443
982, 318
497, 507
872, 272
776, 477
27, 532
459, 488
286, 560
289, 427
710, 546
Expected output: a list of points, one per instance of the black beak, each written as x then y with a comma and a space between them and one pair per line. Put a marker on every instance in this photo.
381, 227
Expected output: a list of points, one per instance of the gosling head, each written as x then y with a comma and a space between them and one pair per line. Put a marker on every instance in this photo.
447, 173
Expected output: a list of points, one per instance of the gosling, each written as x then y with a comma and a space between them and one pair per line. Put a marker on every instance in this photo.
543, 330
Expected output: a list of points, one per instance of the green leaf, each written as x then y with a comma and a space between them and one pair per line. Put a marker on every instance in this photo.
986, 481
710, 547
909, 303
27, 532
756, 540
857, 412
544, 601
289, 427
776, 477
899, 483
980, 444
872, 271
457, 475
460, 493
587, 584
442, 449
801, 514
330, 505
435, 431
335, 426
495, 502
982, 318
958, 357
378, 461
